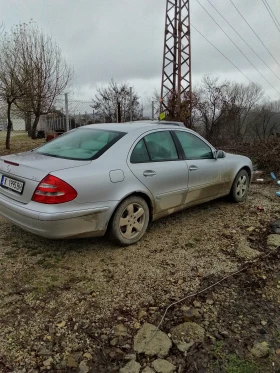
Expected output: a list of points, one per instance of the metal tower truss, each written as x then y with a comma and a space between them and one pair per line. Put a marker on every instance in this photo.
176, 71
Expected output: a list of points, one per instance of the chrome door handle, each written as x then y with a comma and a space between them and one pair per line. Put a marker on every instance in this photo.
193, 168
149, 173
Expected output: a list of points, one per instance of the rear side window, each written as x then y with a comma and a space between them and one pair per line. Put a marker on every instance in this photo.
161, 146
193, 146
156, 147
82, 144
140, 153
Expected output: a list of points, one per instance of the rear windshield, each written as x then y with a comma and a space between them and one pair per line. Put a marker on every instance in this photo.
82, 144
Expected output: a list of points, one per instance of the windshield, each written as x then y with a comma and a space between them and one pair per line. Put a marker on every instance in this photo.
83, 144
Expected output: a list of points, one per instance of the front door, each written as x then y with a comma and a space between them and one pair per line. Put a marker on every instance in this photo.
206, 174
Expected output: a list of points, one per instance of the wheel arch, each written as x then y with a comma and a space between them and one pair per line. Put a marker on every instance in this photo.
143, 195
247, 169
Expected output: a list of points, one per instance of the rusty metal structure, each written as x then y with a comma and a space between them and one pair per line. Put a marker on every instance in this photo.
176, 70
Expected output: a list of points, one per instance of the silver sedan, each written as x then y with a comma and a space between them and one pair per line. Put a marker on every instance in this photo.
116, 178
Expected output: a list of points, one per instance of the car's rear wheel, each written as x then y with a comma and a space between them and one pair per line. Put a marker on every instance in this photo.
130, 221
240, 187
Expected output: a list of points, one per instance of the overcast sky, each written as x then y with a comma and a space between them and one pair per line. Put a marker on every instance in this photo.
123, 39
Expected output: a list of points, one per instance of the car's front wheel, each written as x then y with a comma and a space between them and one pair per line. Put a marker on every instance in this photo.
240, 187
130, 221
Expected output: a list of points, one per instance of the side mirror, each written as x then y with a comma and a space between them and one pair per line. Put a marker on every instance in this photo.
219, 154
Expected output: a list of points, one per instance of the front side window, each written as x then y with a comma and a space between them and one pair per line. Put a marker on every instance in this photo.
193, 146
161, 146
82, 144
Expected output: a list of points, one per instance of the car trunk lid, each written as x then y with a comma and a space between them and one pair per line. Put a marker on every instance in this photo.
21, 173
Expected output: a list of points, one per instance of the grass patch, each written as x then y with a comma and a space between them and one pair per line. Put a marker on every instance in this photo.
237, 365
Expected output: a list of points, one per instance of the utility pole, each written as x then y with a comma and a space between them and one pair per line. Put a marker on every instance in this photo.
66, 112
153, 110
130, 93
176, 69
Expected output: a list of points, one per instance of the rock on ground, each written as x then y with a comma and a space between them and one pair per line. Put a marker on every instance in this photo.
273, 241
163, 366
120, 330
131, 367
186, 334
276, 226
151, 343
260, 349
244, 251
148, 370
83, 367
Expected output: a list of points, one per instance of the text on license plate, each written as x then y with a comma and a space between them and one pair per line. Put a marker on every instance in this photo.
16, 186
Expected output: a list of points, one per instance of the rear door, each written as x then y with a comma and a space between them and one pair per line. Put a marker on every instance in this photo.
206, 174
154, 160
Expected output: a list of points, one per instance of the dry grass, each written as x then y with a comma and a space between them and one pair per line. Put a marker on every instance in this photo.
20, 142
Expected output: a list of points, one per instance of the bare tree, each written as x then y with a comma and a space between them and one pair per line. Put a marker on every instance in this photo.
113, 103
264, 121
240, 101
46, 72
224, 108
209, 105
11, 81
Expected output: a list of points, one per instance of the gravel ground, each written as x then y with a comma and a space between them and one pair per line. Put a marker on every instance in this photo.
61, 300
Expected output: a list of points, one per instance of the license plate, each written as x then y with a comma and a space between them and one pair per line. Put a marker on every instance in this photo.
12, 184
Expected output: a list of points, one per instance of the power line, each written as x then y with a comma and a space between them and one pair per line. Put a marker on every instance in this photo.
238, 47
244, 40
254, 32
232, 63
272, 15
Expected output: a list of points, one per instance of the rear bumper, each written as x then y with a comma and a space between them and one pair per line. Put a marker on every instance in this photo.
81, 222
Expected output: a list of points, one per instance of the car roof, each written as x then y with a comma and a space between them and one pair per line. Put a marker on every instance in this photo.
162, 122
131, 126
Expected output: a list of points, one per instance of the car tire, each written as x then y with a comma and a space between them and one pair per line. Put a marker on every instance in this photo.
240, 187
130, 221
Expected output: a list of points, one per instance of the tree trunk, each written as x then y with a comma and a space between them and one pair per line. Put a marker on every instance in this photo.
10, 125
119, 113
34, 127
28, 123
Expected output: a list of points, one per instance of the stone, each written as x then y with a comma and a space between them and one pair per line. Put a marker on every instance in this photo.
83, 367
197, 304
150, 343
276, 226
114, 341
71, 362
61, 324
244, 251
273, 241
48, 362
141, 313
44, 352
148, 370
120, 330
87, 355
163, 366
186, 334
130, 357
131, 367
250, 229
260, 349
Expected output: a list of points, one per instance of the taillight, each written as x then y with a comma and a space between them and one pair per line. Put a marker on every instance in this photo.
53, 190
